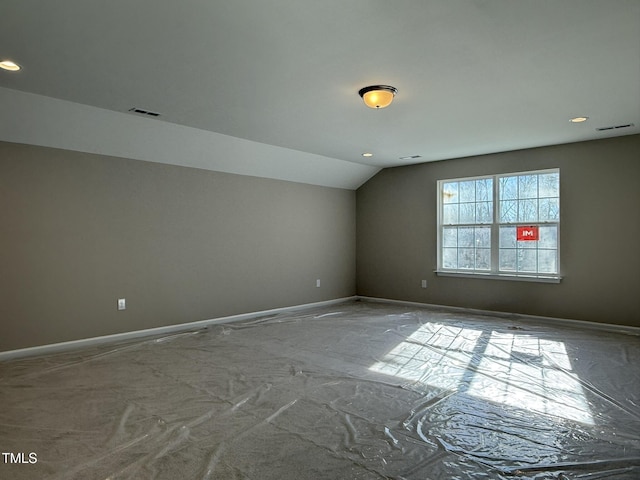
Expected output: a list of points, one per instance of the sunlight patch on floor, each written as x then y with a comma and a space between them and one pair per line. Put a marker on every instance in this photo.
531, 373
518, 370
435, 354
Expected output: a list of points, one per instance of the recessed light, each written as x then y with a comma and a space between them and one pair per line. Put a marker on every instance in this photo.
367, 154
579, 119
9, 65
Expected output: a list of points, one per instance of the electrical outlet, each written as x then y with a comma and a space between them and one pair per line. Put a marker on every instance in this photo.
318, 283
122, 304
424, 284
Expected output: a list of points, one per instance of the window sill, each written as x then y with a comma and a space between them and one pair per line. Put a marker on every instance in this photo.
500, 276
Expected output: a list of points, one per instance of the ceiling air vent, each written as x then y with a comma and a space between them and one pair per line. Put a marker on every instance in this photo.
615, 127
141, 111
411, 157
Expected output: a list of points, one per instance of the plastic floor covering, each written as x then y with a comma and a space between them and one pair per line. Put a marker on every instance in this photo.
352, 391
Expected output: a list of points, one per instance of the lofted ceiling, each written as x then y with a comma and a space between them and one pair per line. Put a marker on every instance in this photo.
269, 87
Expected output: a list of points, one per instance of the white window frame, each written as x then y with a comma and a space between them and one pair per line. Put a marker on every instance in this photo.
494, 271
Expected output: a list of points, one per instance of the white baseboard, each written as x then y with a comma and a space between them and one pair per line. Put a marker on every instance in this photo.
181, 327
120, 337
609, 327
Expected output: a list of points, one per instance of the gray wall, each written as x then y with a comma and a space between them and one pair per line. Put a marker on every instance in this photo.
78, 231
599, 234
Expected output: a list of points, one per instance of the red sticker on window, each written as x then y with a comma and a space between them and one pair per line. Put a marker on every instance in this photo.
527, 233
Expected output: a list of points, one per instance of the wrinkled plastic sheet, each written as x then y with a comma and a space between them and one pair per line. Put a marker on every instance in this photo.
352, 391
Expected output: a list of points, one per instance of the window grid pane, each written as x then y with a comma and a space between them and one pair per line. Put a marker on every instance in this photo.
529, 256
534, 197
467, 202
466, 248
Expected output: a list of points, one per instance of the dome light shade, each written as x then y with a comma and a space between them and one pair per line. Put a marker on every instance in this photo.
378, 96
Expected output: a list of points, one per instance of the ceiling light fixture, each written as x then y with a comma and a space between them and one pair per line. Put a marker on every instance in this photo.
367, 154
9, 65
579, 119
378, 96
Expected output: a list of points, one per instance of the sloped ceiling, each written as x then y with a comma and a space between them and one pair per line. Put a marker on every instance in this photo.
269, 88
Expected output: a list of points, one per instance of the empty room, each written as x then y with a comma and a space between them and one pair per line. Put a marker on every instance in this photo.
320, 240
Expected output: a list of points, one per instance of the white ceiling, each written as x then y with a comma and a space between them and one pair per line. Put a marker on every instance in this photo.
269, 87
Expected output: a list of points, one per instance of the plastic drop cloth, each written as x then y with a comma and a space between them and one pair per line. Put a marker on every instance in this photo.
354, 391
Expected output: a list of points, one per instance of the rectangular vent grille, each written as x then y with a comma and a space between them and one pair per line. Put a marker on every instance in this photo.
144, 112
615, 127
410, 157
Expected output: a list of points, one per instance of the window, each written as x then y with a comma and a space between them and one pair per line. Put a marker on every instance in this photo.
505, 225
